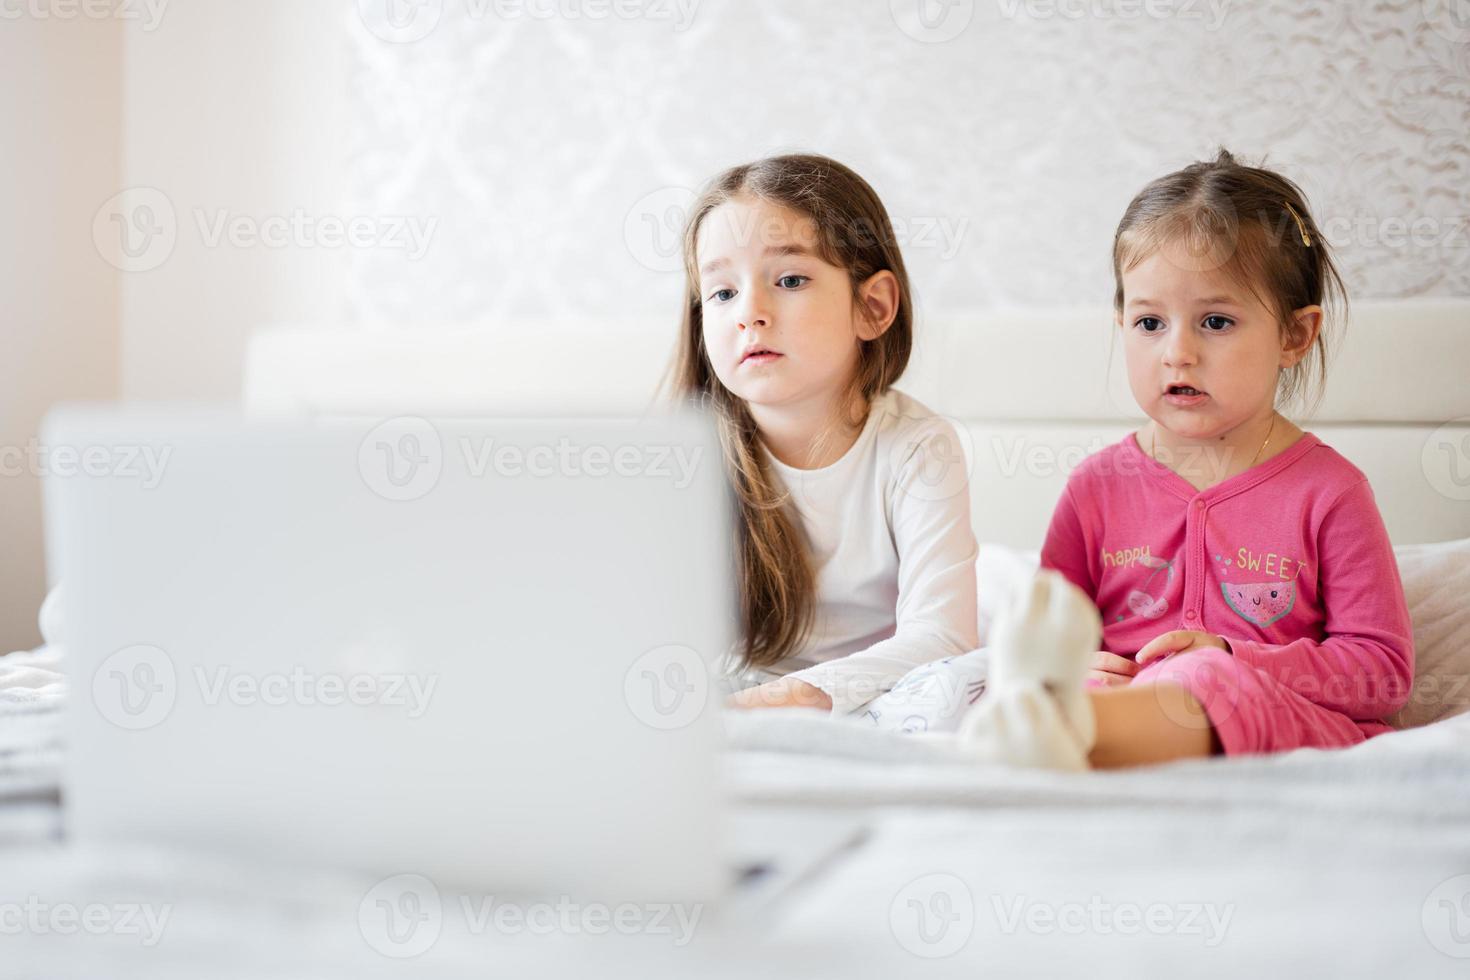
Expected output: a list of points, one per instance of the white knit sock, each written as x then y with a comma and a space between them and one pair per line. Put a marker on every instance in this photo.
1035, 712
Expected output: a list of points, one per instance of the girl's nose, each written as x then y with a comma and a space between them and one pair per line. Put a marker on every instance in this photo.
1180, 349
754, 313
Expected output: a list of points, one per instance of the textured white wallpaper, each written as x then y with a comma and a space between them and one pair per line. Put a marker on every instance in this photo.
556, 142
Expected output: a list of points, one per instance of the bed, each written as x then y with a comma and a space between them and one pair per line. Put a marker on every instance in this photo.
1347, 863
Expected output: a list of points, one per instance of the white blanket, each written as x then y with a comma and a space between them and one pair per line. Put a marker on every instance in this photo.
1341, 864
806, 757
1347, 863
1310, 863
32, 692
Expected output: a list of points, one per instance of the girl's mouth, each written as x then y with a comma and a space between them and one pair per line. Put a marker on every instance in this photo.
759, 356
1184, 396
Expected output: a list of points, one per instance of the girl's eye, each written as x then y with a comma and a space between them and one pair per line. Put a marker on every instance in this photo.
1149, 324
722, 295
1218, 323
793, 282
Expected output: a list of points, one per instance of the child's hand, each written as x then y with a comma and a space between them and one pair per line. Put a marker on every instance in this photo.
1179, 641
1110, 670
784, 692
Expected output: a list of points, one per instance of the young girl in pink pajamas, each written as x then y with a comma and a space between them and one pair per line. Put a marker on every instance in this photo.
1248, 594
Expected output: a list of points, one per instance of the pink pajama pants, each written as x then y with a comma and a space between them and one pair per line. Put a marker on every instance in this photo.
1253, 712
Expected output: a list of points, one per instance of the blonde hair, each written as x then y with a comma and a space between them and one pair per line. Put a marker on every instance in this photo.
776, 578
1254, 224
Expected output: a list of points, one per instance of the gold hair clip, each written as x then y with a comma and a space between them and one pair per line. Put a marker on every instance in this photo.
1301, 225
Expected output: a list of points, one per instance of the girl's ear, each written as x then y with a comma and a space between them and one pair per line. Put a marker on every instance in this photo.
879, 299
1306, 323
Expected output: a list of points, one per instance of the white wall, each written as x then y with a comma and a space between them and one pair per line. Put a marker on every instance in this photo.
60, 116
549, 152
544, 161
206, 109
557, 152
233, 111
545, 152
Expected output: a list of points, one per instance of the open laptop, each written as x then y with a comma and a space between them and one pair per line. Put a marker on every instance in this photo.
476, 650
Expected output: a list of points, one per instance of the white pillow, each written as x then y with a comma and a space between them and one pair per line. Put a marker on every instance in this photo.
1436, 585
999, 570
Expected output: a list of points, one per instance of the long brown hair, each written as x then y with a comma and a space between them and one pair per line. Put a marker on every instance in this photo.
1254, 224
776, 578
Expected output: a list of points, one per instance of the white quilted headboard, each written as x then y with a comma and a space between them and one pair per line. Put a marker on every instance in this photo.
1031, 392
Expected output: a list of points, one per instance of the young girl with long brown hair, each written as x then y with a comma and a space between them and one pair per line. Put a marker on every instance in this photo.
856, 556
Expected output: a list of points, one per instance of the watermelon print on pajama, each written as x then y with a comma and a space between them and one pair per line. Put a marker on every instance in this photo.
1262, 603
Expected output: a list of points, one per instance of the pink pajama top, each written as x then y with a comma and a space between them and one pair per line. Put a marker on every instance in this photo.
1288, 561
